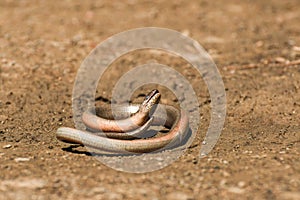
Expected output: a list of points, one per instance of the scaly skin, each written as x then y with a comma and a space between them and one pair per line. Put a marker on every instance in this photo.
176, 120
123, 125
136, 125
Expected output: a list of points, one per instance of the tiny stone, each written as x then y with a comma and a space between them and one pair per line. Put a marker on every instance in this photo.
203, 154
77, 38
4, 61
223, 182
226, 174
241, 184
178, 196
22, 159
185, 32
7, 146
3, 117
259, 43
280, 60
287, 167
236, 190
225, 162
295, 48
291, 42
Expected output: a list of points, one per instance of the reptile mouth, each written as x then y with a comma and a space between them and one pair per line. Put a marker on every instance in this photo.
151, 95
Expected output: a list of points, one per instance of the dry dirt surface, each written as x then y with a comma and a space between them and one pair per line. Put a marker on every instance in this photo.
256, 46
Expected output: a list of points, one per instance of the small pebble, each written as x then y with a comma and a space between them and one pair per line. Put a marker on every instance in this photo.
186, 32
259, 43
4, 61
291, 42
226, 174
7, 146
22, 159
241, 184
280, 60
295, 48
3, 118
203, 155
178, 196
223, 182
236, 190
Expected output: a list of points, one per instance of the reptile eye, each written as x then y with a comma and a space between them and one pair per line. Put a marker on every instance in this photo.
147, 97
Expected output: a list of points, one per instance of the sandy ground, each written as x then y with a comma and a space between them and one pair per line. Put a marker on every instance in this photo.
256, 46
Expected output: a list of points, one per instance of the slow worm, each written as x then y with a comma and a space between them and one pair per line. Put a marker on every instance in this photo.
123, 125
168, 116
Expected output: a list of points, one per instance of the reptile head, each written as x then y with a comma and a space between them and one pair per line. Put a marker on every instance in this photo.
150, 101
